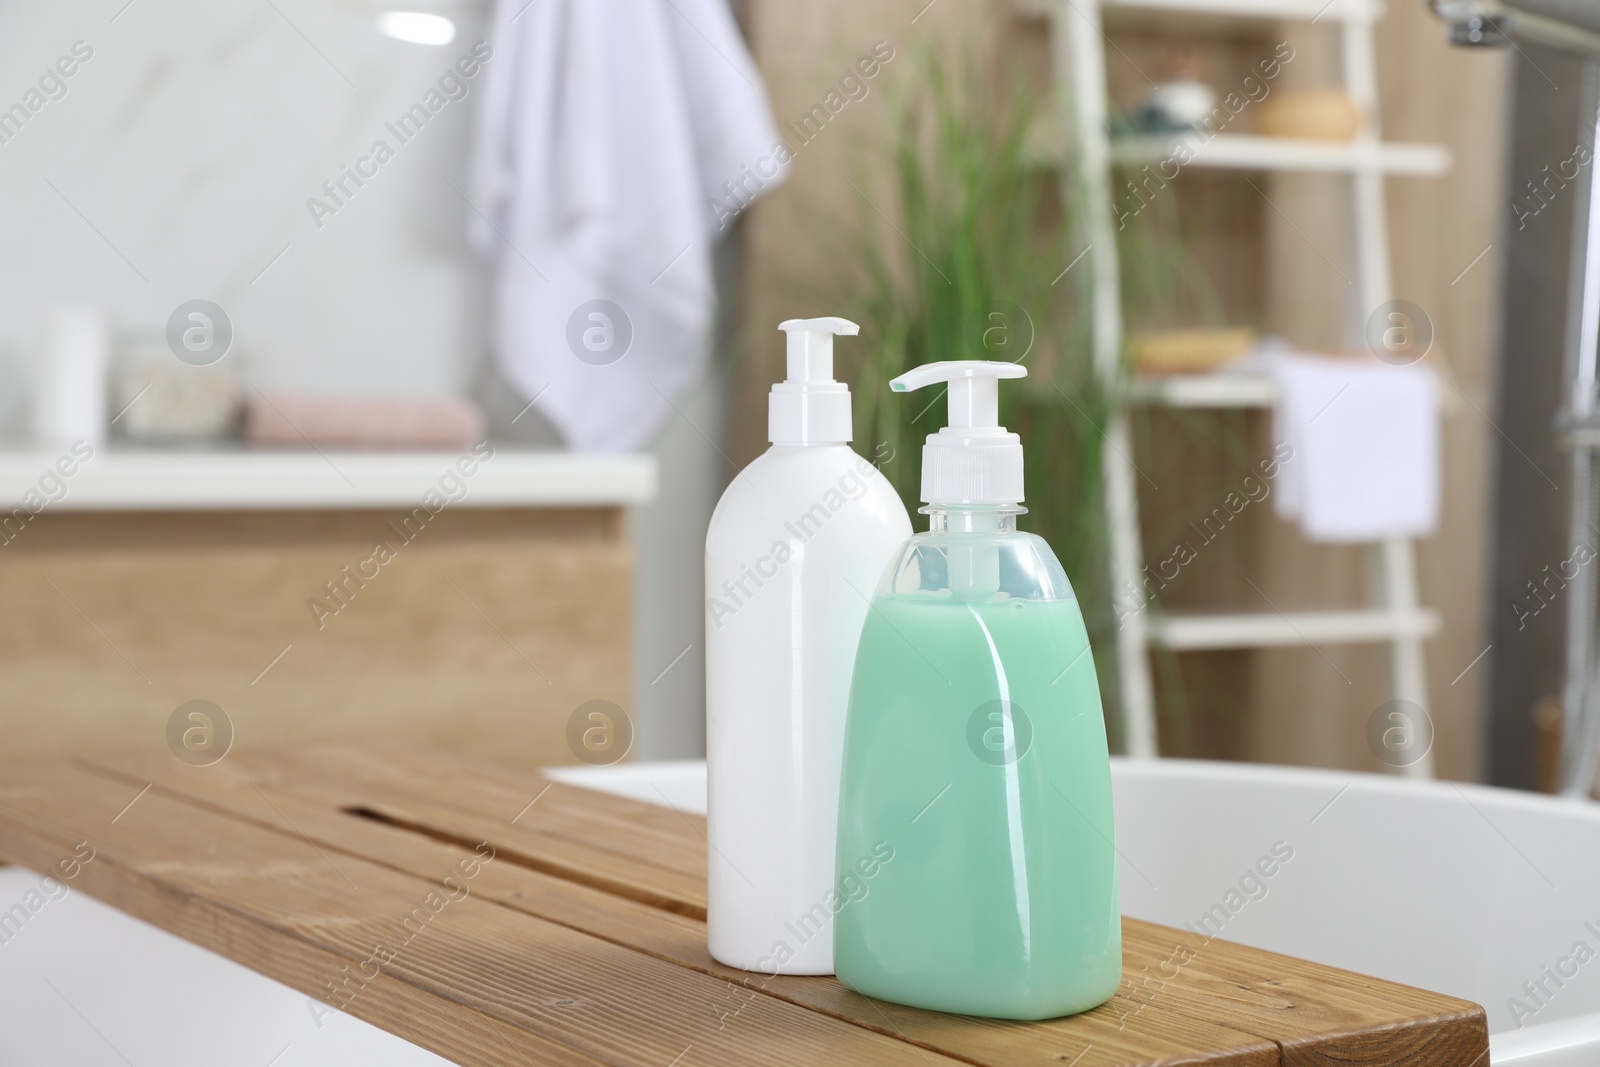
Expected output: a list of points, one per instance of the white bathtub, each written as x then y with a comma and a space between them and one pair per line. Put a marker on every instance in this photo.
1465, 890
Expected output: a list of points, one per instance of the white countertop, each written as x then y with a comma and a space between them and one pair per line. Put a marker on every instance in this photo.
149, 480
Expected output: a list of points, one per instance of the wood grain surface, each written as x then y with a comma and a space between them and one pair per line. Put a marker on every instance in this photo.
484, 632
582, 940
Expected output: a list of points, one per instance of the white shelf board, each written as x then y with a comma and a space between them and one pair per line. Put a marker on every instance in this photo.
1194, 631
1306, 10
151, 480
1222, 389
1240, 151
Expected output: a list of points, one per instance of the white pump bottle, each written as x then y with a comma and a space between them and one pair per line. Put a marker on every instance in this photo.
795, 548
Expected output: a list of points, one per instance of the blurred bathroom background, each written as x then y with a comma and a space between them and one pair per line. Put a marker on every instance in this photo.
180, 160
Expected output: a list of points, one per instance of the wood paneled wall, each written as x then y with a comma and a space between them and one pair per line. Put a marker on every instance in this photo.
1290, 706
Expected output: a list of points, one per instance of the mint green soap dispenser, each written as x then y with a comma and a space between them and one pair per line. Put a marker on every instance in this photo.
975, 752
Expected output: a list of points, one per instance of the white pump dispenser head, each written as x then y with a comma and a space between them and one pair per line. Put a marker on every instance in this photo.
973, 460
810, 408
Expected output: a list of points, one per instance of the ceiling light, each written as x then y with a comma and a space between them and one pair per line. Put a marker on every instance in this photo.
416, 27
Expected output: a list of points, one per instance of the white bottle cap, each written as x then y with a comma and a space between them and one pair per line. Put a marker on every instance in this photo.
973, 460
810, 408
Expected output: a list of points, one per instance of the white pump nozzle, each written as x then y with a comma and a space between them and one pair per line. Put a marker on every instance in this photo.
809, 407
974, 388
973, 460
811, 346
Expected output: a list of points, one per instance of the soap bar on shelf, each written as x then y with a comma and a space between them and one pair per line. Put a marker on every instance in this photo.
284, 419
1191, 351
1310, 114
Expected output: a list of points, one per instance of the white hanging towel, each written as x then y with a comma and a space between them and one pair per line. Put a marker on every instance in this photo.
1365, 440
609, 134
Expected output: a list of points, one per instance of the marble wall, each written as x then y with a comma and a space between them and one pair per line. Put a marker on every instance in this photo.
177, 161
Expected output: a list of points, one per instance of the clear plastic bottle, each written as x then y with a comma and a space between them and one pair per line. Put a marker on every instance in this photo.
976, 786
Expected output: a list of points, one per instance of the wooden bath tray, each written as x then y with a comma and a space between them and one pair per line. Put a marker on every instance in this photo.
362, 876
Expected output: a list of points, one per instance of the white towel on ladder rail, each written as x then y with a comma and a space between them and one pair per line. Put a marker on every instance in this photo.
1365, 440
607, 136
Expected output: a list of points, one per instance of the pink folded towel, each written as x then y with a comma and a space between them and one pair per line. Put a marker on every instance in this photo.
302, 420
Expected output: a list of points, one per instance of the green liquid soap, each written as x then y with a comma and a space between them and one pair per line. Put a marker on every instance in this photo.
976, 751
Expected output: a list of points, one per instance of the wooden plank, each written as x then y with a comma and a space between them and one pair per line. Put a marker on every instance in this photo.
315, 805
391, 1004
1172, 981
634, 849
1317, 1014
1365, 1011
473, 981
